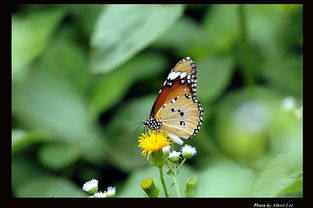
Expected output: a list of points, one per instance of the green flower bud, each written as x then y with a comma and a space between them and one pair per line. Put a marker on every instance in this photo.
157, 158
191, 187
169, 171
149, 187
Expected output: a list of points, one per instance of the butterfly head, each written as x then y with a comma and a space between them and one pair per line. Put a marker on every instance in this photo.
152, 123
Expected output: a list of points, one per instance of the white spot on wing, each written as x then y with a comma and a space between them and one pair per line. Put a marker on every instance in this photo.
173, 75
182, 74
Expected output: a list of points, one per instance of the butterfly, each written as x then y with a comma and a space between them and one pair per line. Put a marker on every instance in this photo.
176, 110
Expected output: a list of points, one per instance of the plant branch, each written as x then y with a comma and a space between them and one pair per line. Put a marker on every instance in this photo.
163, 182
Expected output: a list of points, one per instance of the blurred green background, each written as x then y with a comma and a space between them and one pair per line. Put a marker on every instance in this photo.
82, 75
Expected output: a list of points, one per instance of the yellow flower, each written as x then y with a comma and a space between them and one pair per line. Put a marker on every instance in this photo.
152, 141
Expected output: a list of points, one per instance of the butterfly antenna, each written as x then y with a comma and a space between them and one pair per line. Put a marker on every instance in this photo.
145, 129
138, 127
125, 131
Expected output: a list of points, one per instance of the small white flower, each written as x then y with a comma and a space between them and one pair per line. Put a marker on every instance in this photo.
188, 151
91, 186
166, 150
100, 194
176, 139
288, 103
174, 156
111, 191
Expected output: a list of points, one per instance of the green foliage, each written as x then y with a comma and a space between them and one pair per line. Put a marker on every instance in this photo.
242, 127
215, 78
31, 34
57, 156
125, 75
72, 63
123, 127
221, 28
53, 187
22, 139
132, 188
184, 37
85, 76
67, 120
224, 178
279, 178
24, 170
86, 15
124, 38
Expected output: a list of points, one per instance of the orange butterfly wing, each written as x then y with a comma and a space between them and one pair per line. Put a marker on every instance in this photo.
167, 94
181, 80
176, 105
182, 117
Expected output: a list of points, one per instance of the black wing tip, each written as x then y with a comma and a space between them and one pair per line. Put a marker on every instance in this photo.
192, 63
197, 129
187, 58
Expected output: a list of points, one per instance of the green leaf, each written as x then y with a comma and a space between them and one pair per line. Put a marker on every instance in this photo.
134, 111
86, 15
123, 133
214, 76
186, 37
181, 36
22, 139
267, 28
49, 187
31, 34
291, 67
118, 38
25, 169
295, 189
45, 103
132, 188
71, 59
114, 85
225, 179
279, 178
57, 156
222, 28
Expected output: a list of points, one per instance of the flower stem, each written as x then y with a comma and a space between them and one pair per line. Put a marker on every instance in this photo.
174, 171
162, 181
176, 185
180, 165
